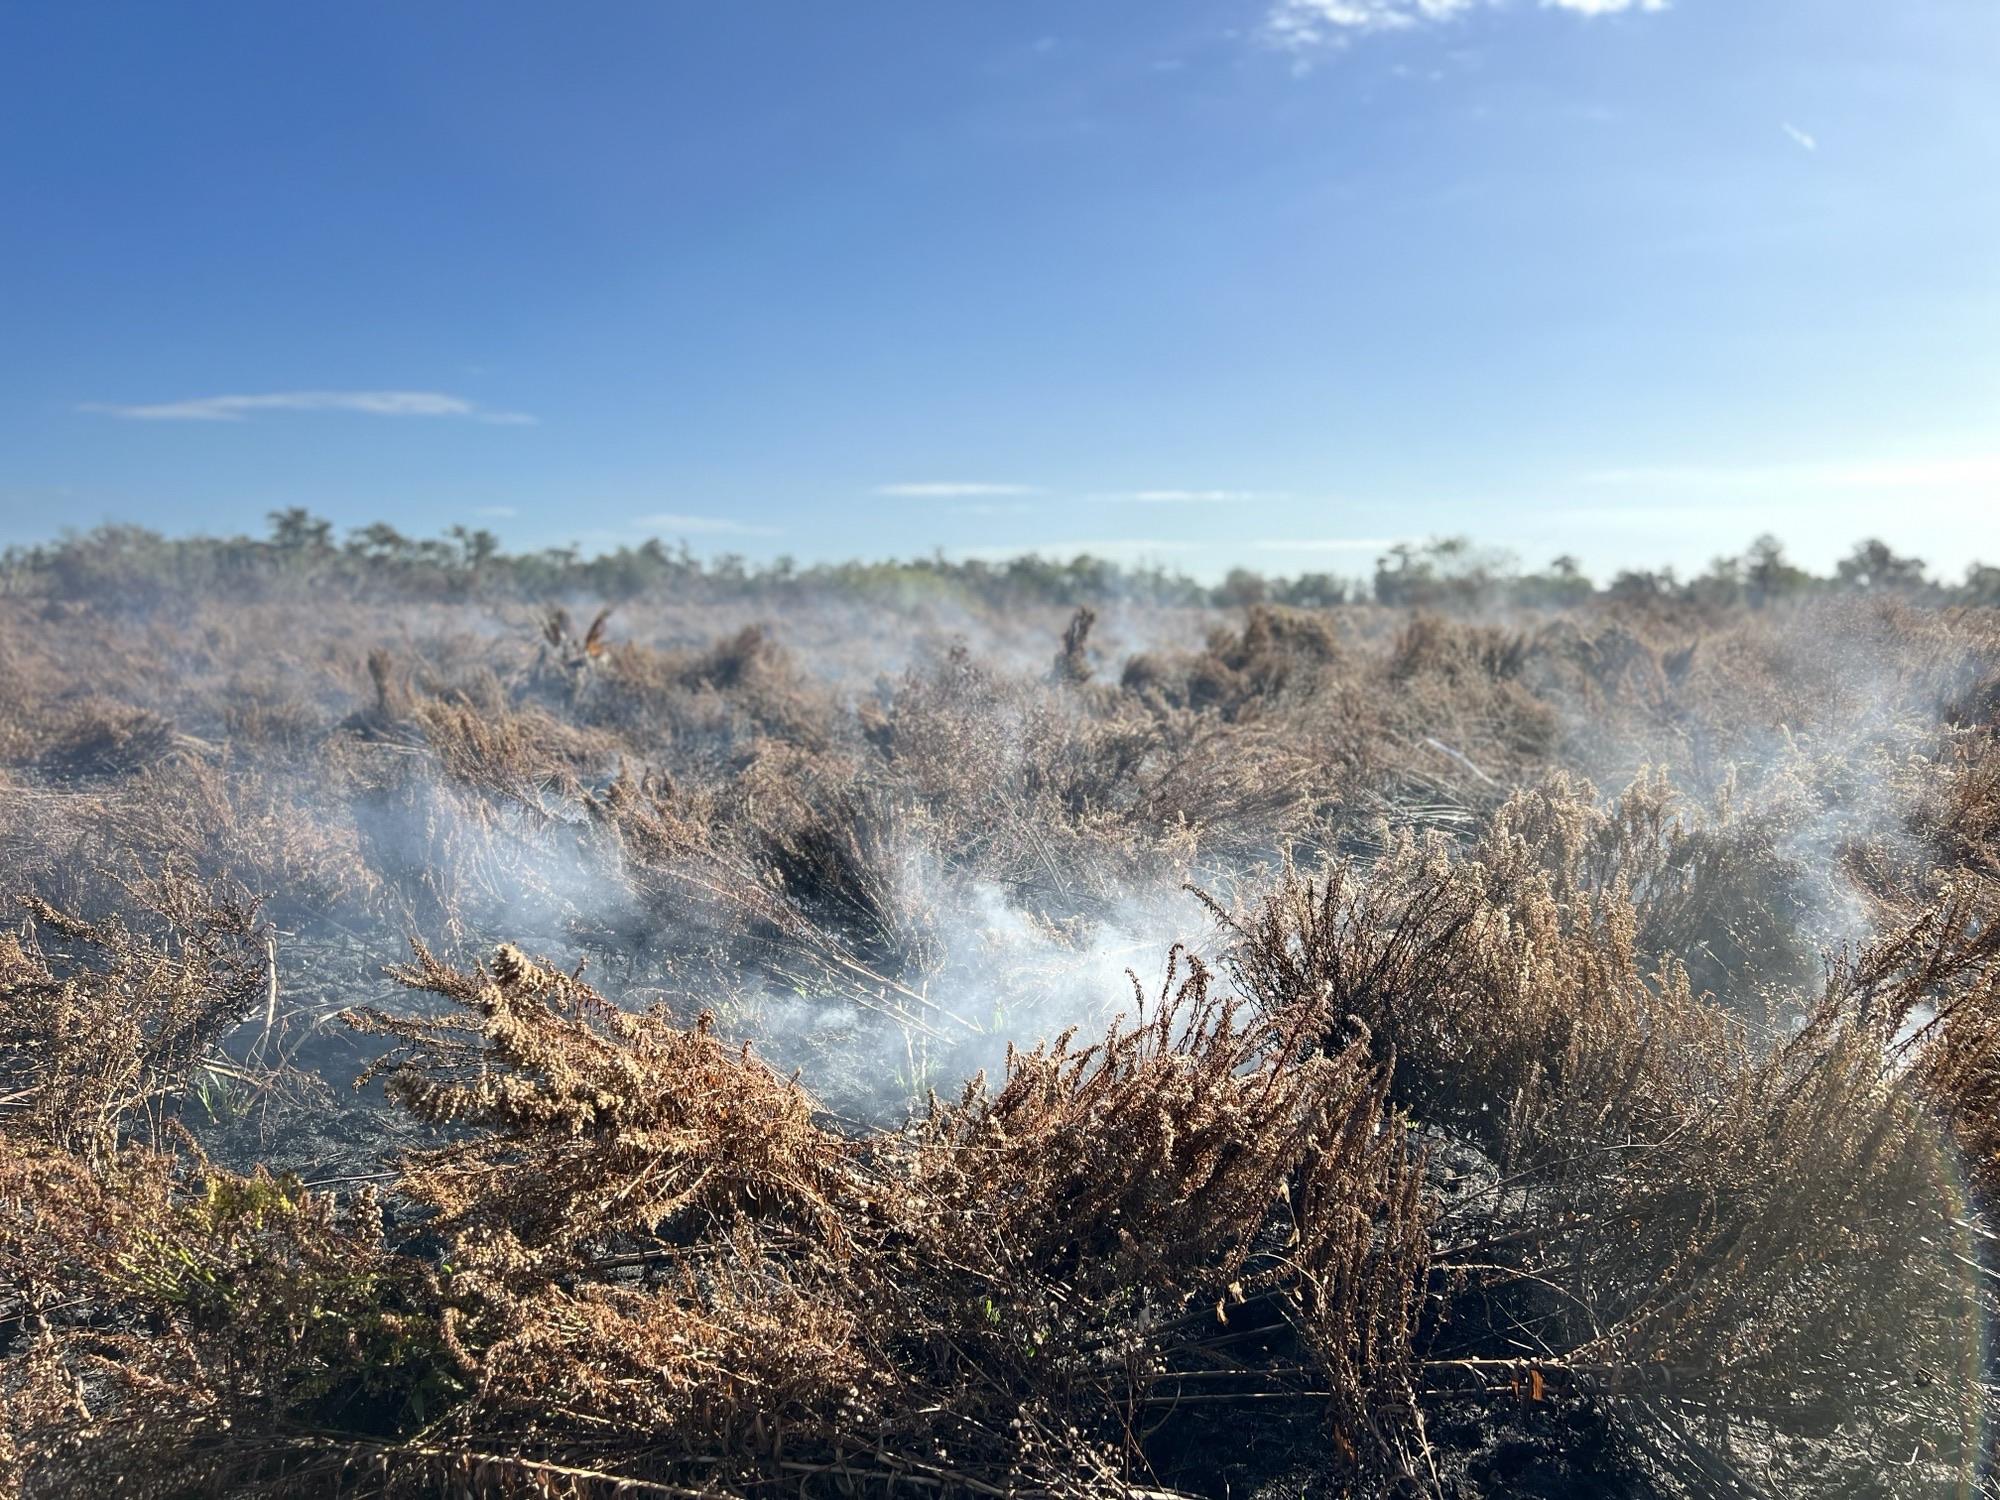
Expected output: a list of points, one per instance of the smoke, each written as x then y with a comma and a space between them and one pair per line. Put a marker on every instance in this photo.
1792, 735
1835, 778
1000, 975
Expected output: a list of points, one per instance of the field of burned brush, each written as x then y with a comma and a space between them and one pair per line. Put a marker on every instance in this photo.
476, 1050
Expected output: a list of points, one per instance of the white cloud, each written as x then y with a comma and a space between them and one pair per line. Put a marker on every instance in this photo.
367, 403
1193, 497
1308, 23
682, 525
993, 508
1799, 137
1606, 7
1304, 25
951, 489
495, 512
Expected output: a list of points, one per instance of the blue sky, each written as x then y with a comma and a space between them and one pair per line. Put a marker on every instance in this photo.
1264, 282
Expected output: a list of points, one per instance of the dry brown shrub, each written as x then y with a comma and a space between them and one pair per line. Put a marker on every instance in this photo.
839, 854
1082, 795
285, 836
180, 1330
1685, 1225
1933, 986
1241, 674
588, 1123
741, 687
990, 1300
1779, 1280
1150, 1165
522, 756
278, 833
103, 1021
1072, 662
1431, 645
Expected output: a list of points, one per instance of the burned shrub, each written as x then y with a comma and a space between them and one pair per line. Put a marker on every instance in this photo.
1072, 663
104, 1021
565, 666
176, 1329
1683, 1222
107, 741
1278, 650
979, 1301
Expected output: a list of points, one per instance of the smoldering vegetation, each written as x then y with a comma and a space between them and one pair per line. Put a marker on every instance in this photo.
450, 1048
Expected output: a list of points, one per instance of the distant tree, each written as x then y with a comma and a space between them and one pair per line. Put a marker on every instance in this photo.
1443, 571
1872, 568
1636, 586
476, 548
1242, 587
378, 542
297, 529
663, 564
1768, 575
1722, 585
1312, 591
1561, 584
1982, 585
1398, 572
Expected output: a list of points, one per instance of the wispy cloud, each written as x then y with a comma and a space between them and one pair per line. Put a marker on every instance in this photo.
1306, 25
366, 403
1192, 497
993, 508
1309, 23
1978, 472
1606, 7
1800, 137
680, 525
951, 489
495, 512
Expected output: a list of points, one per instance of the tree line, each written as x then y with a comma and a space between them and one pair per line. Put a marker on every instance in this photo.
132, 566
